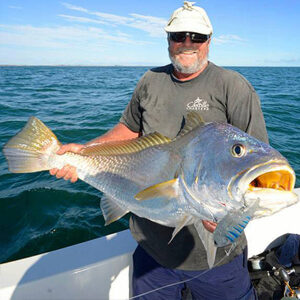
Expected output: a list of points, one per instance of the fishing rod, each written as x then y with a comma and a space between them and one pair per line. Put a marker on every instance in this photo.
283, 274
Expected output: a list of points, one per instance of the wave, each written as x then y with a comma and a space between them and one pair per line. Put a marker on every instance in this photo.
46, 219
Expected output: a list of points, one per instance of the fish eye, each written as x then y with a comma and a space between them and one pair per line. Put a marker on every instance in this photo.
238, 150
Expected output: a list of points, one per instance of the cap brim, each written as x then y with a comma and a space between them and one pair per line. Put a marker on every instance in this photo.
202, 29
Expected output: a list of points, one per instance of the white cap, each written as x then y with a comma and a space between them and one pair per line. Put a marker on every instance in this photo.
189, 18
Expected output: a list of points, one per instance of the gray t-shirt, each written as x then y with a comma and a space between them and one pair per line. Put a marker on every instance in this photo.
159, 103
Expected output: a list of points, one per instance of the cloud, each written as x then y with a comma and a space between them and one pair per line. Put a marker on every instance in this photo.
152, 25
151, 20
107, 17
73, 7
43, 37
81, 19
85, 37
228, 39
15, 7
60, 37
112, 18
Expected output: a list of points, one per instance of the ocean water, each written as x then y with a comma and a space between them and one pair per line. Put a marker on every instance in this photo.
39, 213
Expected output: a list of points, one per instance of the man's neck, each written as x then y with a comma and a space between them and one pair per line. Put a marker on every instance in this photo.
184, 77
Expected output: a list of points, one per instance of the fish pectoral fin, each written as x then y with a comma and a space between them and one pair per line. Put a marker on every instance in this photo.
185, 220
208, 242
111, 211
233, 224
167, 189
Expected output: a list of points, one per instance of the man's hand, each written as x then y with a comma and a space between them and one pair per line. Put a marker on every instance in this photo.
67, 172
209, 225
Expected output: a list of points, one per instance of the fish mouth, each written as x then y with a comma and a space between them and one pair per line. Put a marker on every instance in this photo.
272, 176
271, 183
276, 176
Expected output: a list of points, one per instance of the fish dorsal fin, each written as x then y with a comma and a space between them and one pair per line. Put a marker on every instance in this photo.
111, 211
167, 190
192, 120
126, 146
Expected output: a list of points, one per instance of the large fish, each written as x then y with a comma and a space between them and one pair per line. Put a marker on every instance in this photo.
211, 171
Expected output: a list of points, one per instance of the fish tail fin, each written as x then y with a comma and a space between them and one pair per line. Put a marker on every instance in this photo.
30, 149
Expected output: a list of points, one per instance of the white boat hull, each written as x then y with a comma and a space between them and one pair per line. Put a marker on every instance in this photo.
97, 269
101, 268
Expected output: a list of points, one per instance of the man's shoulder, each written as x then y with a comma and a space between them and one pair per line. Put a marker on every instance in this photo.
154, 77
225, 73
158, 71
162, 69
229, 77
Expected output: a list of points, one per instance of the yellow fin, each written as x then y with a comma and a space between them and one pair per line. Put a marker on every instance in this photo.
167, 189
192, 120
127, 146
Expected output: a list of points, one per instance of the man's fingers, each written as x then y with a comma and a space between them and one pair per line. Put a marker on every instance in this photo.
74, 177
67, 172
68, 176
75, 148
71, 174
209, 225
63, 149
62, 172
53, 171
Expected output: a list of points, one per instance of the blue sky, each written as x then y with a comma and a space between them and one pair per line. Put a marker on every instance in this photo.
116, 32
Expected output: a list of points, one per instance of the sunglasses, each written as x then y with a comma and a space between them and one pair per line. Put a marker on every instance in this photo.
180, 37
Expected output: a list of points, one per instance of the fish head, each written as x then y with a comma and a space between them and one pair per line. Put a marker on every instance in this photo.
224, 168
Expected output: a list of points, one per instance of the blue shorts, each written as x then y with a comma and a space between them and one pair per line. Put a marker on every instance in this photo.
230, 281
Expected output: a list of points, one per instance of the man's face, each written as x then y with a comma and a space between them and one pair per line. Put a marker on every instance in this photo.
188, 57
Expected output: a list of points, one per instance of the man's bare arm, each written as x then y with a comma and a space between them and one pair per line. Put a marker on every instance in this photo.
118, 133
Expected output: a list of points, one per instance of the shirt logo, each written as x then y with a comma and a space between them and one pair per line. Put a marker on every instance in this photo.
198, 104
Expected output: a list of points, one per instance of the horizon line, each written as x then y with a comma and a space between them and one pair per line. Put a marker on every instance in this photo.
116, 65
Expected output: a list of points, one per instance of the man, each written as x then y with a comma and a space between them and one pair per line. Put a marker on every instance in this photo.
160, 102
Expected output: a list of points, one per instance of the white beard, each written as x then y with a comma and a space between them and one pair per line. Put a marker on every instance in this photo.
195, 67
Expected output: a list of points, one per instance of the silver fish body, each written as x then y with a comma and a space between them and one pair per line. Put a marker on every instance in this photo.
209, 172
